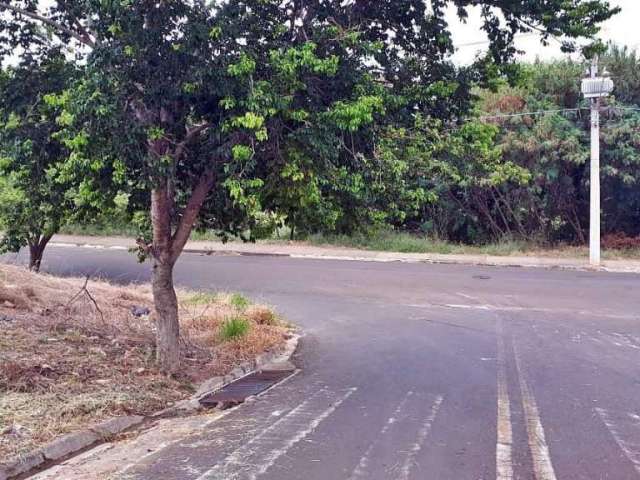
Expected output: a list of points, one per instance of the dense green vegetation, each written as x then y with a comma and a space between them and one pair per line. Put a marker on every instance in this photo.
241, 116
500, 176
523, 177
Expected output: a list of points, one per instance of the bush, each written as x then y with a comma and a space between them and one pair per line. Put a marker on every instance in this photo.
234, 328
620, 241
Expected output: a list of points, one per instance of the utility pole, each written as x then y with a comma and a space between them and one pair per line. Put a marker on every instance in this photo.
594, 88
594, 207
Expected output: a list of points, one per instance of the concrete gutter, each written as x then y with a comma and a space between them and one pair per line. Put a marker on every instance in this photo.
348, 254
75, 443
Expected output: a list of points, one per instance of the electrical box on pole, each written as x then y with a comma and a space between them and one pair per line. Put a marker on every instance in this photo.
597, 87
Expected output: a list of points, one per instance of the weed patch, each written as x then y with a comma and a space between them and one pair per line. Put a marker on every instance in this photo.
239, 301
234, 328
202, 298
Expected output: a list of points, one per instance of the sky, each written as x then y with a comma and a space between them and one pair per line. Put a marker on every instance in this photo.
622, 29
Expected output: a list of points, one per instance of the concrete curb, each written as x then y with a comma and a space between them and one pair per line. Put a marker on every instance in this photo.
548, 263
69, 444
76, 442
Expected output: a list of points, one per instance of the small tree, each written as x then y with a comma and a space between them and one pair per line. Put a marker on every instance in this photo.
33, 202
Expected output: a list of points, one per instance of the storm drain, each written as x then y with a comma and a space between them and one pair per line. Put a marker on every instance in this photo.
236, 392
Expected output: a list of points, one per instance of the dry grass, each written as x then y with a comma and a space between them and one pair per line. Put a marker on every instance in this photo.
66, 361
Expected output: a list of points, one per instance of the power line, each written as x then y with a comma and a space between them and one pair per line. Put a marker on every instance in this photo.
544, 112
486, 42
524, 114
637, 109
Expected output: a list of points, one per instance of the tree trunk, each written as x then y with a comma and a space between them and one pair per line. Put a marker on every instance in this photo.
36, 250
164, 295
167, 325
166, 249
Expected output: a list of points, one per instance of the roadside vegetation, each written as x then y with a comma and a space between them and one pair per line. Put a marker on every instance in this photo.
503, 183
403, 242
73, 352
614, 246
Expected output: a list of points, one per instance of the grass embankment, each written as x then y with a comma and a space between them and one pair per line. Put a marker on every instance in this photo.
614, 246
390, 241
66, 362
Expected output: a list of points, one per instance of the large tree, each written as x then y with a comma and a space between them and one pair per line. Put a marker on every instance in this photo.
198, 103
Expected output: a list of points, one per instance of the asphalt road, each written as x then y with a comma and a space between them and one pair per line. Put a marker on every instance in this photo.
417, 371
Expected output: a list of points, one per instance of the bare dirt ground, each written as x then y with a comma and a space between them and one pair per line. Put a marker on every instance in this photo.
72, 352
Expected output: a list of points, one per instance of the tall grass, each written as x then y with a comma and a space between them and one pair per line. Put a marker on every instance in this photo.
107, 229
202, 298
234, 328
392, 241
239, 301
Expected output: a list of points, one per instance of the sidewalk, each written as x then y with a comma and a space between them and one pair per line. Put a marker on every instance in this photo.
298, 250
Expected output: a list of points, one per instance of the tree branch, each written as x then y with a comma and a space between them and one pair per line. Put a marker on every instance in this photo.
88, 294
44, 240
84, 39
195, 130
191, 212
192, 133
83, 30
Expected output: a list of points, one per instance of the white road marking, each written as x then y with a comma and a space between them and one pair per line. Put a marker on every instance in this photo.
361, 469
504, 440
422, 436
624, 340
470, 297
471, 307
510, 308
257, 455
542, 466
87, 245
351, 259
628, 445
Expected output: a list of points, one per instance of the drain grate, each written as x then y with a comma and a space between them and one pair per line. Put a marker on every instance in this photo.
236, 392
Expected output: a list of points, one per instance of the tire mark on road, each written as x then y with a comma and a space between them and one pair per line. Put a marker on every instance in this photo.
629, 447
361, 469
525, 309
423, 433
258, 455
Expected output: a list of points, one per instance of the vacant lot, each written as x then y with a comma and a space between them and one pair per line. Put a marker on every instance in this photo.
75, 351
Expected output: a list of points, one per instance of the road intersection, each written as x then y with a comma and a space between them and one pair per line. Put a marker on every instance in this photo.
414, 371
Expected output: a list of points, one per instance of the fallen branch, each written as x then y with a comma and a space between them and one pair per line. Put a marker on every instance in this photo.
88, 294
